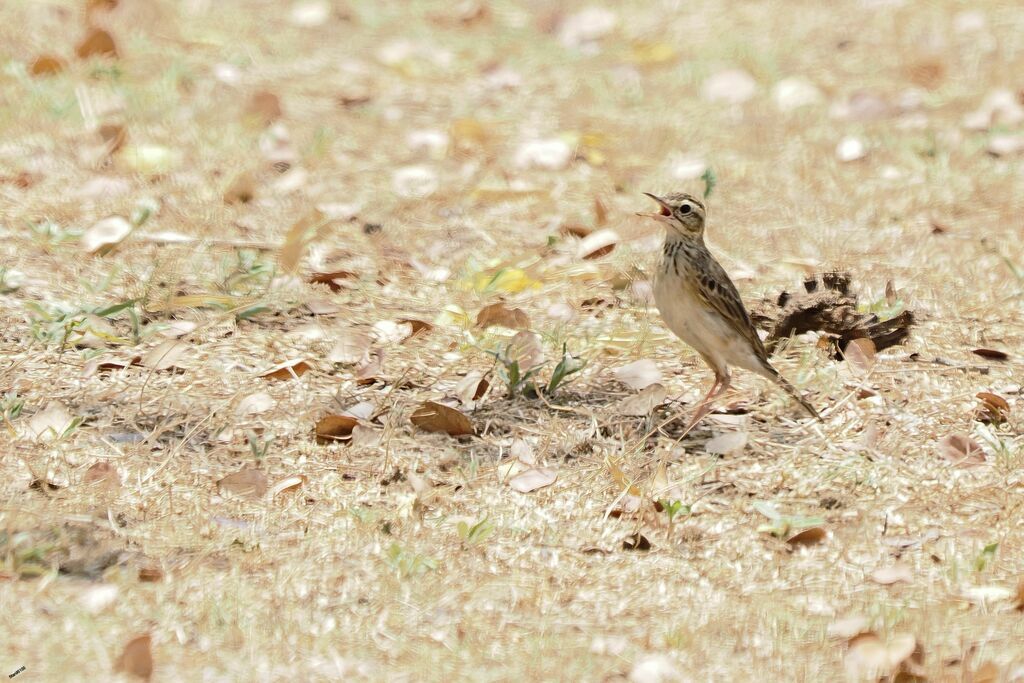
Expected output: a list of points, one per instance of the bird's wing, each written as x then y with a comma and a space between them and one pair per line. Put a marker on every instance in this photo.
714, 287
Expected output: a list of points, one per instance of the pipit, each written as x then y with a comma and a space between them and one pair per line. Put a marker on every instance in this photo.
700, 304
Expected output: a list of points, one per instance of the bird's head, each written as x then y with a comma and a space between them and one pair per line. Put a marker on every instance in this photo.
680, 212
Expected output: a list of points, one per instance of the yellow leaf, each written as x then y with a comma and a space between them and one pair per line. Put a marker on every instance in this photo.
657, 52
510, 280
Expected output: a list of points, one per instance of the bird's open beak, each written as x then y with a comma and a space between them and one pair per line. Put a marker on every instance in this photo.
662, 214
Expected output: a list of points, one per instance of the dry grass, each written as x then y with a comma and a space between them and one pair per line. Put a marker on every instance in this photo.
335, 581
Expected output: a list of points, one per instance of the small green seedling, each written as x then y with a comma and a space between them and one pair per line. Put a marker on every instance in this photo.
988, 553
408, 563
475, 534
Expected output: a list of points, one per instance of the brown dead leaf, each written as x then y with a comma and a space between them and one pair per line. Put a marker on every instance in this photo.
302, 232
437, 417
137, 657
927, 73
636, 541
860, 353
242, 189
987, 672
335, 428
600, 211
418, 326
288, 484
333, 278
993, 408
102, 473
868, 657
639, 374
991, 354
597, 244
168, 355
370, 370
97, 43
150, 574
961, 450
1018, 600
810, 536
533, 479
500, 314
467, 134
46, 65
290, 369
574, 230
248, 482
471, 388
265, 107
894, 574
644, 402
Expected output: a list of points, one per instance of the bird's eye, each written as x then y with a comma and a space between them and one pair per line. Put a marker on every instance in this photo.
685, 209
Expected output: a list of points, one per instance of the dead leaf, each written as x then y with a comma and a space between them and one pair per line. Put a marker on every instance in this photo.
993, 408
1018, 600
600, 211
523, 452
290, 369
638, 374
242, 189
137, 657
961, 450
334, 428
417, 326
848, 627
643, 403
105, 234
370, 370
574, 230
533, 479
894, 574
991, 354
46, 65
167, 355
436, 417
102, 473
809, 536
248, 482
526, 349
351, 347
860, 353
471, 388
288, 484
254, 404
724, 444
97, 42
302, 232
868, 657
265, 107
988, 672
51, 422
500, 314
636, 541
150, 574
332, 278
597, 244
114, 135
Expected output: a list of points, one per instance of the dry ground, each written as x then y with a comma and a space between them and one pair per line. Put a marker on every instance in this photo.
361, 572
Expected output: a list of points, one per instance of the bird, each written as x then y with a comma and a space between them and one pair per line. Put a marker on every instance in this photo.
700, 304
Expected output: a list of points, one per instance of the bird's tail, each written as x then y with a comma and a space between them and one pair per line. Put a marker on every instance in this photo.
791, 390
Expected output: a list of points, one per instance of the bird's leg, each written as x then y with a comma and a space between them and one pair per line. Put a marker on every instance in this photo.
704, 407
